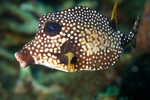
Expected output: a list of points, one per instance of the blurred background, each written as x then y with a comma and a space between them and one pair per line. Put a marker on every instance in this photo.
128, 79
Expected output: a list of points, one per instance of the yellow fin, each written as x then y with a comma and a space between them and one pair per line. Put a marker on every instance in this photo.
114, 12
70, 56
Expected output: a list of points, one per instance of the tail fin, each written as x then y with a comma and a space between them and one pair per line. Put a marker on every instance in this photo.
135, 30
136, 24
131, 37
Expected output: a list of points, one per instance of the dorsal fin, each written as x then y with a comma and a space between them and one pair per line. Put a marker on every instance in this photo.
113, 19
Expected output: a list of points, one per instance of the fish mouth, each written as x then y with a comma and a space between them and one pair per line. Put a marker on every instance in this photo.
24, 59
22, 62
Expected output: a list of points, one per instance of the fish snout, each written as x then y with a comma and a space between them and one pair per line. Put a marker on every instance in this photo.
24, 58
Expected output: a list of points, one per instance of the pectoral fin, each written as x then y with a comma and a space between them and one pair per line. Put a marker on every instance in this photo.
71, 61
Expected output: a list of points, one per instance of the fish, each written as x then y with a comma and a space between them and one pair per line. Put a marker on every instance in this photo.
76, 39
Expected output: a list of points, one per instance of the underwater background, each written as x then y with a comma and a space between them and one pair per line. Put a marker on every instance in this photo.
128, 79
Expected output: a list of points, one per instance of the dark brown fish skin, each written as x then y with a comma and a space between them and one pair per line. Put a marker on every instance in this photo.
82, 32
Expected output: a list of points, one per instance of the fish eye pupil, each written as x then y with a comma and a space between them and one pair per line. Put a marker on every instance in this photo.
51, 28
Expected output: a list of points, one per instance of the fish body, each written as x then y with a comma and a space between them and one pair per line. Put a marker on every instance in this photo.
75, 39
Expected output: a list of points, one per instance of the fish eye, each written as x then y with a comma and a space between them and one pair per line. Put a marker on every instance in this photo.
52, 28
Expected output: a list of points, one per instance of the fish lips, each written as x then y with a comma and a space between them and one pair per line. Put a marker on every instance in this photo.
24, 58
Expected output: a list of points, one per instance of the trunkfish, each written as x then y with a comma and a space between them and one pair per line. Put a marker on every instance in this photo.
76, 39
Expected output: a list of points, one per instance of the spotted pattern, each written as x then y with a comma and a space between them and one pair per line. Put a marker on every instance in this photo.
84, 32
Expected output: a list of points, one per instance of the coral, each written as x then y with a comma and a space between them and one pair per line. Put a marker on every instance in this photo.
111, 93
143, 43
23, 18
